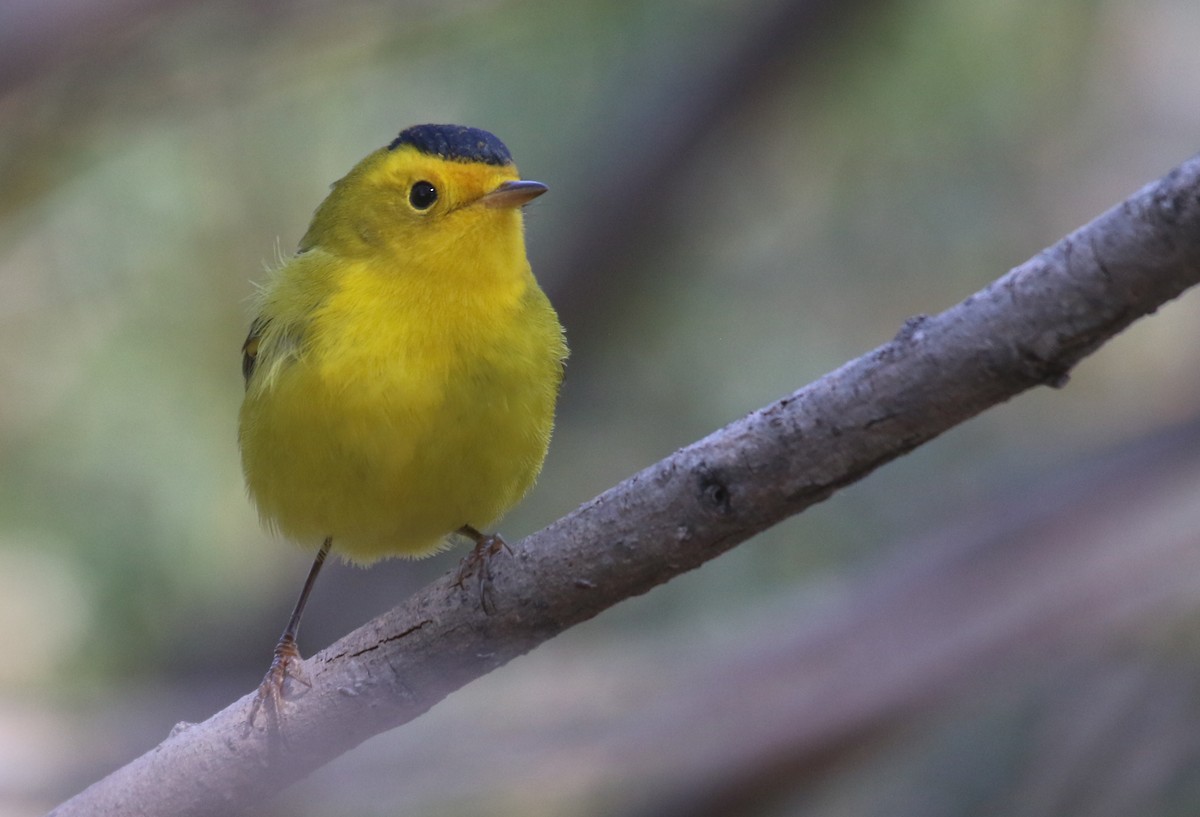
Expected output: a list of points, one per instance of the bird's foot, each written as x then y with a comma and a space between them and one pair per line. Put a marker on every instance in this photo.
478, 563
286, 668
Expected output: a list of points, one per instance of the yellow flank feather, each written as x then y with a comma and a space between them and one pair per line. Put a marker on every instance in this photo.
402, 371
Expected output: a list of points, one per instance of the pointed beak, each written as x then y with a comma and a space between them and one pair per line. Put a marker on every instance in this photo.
513, 194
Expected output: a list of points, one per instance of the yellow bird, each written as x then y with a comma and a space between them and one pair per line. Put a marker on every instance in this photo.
404, 364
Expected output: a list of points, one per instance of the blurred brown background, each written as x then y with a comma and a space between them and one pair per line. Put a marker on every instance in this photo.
744, 196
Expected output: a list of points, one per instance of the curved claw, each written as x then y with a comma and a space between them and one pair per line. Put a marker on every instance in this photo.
286, 665
479, 563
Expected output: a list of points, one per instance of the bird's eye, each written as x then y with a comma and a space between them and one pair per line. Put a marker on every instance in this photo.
423, 195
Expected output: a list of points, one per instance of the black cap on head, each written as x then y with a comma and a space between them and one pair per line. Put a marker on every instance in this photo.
456, 142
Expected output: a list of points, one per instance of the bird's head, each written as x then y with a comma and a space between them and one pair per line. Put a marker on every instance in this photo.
436, 189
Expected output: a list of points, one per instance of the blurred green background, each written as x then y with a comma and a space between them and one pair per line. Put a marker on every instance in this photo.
743, 196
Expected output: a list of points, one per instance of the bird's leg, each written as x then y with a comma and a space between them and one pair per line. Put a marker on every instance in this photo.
479, 563
286, 662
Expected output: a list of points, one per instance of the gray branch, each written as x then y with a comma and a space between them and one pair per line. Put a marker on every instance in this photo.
1028, 328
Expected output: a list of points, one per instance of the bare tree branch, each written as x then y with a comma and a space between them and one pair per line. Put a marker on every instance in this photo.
1028, 328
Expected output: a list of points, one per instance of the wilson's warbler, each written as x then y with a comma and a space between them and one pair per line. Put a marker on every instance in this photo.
403, 367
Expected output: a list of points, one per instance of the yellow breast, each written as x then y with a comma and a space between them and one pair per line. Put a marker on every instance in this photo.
396, 422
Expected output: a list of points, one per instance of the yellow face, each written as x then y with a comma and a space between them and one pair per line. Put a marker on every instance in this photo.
412, 205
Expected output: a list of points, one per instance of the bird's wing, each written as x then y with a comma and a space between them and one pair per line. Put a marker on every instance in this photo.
250, 348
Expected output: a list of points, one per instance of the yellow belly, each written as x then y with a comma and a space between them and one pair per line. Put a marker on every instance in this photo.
388, 445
